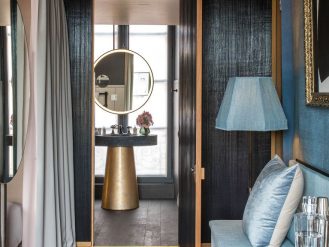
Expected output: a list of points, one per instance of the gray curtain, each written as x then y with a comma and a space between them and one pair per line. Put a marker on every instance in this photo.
48, 193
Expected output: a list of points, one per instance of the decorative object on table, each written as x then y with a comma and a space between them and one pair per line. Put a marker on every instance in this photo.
120, 129
128, 130
144, 131
272, 203
135, 130
113, 127
103, 131
309, 225
251, 104
98, 131
144, 121
322, 209
316, 52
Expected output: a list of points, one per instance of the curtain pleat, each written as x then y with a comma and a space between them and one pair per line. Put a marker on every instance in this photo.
48, 193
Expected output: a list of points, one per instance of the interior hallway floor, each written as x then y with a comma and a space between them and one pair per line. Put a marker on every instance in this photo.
154, 223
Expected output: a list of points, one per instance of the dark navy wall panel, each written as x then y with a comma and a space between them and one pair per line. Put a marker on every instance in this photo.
311, 124
79, 19
236, 42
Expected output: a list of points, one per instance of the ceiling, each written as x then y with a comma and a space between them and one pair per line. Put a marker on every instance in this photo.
136, 12
4, 12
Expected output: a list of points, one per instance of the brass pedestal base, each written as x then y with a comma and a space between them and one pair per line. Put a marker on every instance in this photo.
120, 191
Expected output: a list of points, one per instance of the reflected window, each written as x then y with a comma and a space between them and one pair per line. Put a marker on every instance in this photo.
151, 43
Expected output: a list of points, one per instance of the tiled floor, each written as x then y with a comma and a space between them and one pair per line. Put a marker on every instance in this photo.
154, 223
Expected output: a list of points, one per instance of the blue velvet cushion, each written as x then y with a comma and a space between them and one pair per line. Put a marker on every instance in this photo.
272, 203
226, 233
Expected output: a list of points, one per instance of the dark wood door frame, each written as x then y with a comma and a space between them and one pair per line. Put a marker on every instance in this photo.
190, 122
79, 15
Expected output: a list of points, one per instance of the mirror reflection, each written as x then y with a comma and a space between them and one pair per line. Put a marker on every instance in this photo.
14, 92
123, 81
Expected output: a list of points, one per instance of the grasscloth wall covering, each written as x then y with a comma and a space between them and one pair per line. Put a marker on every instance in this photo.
309, 135
236, 42
79, 19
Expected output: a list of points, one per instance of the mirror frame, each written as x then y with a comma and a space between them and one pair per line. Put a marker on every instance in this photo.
313, 96
151, 77
5, 178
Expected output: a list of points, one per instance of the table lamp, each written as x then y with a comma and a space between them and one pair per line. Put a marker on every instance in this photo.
251, 104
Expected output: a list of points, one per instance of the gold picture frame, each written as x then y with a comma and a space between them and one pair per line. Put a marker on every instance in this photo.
316, 93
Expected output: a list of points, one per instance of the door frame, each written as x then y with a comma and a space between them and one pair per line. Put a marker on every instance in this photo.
199, 170
277, 136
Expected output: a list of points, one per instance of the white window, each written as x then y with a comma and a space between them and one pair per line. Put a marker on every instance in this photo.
151, 43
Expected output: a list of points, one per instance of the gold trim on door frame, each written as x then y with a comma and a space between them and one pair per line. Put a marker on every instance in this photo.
199, 172
276, 137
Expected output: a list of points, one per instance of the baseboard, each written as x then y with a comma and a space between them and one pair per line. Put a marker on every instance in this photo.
84, 244
156, 191
206, 245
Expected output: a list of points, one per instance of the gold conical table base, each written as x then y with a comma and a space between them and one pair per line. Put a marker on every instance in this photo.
120, 190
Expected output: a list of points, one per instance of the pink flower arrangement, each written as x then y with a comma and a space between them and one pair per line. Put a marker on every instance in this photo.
144, 120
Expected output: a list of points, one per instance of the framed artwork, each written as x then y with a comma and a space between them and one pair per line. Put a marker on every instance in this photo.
317, 52
141, 83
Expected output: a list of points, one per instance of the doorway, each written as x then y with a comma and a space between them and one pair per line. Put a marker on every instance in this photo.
155, 221
189, 168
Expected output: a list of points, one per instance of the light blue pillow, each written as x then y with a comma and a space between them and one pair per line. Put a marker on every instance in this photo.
272, 203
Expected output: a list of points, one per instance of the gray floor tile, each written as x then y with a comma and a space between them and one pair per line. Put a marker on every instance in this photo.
154, 223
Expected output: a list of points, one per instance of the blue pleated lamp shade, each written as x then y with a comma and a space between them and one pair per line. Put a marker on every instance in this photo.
251, 104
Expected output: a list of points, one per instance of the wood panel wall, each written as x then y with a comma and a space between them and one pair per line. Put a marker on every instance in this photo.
236, 42
79, 19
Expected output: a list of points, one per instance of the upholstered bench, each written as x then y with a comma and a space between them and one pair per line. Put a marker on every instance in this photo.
14, 224
229, 233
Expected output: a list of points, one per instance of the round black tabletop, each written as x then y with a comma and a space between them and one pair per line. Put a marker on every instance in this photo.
125, 140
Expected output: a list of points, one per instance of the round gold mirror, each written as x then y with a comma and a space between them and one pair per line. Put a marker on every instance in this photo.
123, 81
14, 91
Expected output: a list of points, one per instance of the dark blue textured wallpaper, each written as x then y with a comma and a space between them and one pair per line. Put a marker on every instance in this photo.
308, 135
236, 42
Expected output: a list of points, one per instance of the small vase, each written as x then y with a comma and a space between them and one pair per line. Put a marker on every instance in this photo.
144, 131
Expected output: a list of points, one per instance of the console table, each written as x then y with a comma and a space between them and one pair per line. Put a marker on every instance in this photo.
120, 189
